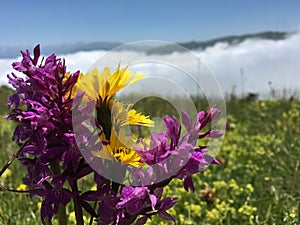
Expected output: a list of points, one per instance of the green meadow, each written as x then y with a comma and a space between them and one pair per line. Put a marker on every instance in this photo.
258, 181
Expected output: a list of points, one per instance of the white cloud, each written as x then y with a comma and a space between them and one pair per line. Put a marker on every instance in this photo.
260, 60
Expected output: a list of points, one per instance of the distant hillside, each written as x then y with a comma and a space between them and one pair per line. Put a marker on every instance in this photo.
12, 52
232, 40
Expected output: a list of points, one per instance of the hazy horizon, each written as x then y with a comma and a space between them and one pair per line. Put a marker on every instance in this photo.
248, 67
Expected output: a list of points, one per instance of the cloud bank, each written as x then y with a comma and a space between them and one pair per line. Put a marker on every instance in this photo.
249, 66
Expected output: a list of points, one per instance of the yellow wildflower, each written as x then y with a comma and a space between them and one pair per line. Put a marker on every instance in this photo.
250, 188
247, 210
111, 114
103, 86
121, 148
213, 215
220, 184
122, 115
6, 174
22, 187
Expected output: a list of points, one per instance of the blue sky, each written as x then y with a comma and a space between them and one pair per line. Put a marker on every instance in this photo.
55, 22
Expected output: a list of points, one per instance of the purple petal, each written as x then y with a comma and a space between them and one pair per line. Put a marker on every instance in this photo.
13, 100
200, 115
186, 120
166, 216
158, 193
153, 200
188, 184
142, 220
37, 53
214, 134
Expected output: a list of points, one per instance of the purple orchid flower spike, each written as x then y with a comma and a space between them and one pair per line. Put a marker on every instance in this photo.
47, 111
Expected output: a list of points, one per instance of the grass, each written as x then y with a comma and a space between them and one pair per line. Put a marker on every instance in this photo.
257, 183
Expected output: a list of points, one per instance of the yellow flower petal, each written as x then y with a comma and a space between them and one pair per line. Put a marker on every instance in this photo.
106, 84
103, 154
111, 114
122, 116
120, 148
22, 187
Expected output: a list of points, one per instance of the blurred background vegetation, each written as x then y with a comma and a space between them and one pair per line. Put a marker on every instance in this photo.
258, 181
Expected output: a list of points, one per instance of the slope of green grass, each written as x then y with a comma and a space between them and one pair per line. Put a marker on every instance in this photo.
257, 183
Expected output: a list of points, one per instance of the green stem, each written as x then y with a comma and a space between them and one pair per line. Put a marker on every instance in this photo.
48, 222
62, 215
92, 218
77, 205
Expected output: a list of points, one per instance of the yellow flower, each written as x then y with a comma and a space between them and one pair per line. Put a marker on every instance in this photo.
122, 115
121, 148
213, 215
103, 86
247, 210
292, 215
195, 209
22, 187
6, 174
111, 114
250, 188
181, 218
219, 184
